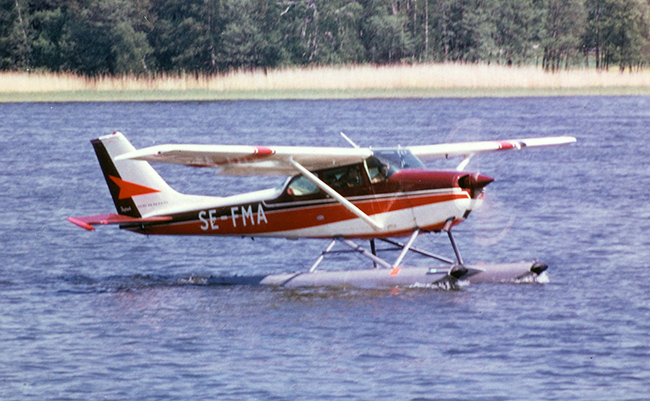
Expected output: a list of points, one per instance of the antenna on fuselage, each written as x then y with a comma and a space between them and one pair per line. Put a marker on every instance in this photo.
350, 141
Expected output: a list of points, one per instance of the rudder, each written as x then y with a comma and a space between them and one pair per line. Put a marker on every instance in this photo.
136, 188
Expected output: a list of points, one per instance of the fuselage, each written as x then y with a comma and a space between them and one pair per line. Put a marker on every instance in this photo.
400, 195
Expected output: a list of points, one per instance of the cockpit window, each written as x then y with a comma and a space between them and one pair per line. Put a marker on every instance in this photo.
343, 177
378, 169
382, 165
337, 178
385, 162
400, 158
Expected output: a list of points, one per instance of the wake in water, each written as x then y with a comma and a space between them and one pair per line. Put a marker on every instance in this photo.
446, 285
533, 279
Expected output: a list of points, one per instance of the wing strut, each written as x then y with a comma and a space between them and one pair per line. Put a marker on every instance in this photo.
465, 162
354, 145
331, 192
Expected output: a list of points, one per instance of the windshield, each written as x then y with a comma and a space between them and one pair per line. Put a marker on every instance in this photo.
399, 158
385, 162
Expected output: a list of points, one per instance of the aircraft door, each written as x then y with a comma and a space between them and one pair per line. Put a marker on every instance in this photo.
391, 205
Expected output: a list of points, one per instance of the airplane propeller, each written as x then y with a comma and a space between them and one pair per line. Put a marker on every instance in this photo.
493, 218
475, 182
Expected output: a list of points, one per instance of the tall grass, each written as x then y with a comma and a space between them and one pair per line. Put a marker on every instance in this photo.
346, 78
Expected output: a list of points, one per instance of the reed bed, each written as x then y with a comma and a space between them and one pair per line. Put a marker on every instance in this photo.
394, 78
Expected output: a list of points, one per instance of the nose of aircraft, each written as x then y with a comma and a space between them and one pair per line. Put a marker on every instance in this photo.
481, 181
474, 182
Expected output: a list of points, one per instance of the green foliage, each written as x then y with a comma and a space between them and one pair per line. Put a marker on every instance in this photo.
15, 35
462, 32
387, 38
49, 26
626, 33
95, 37
130, 49
185, 34
519, 29
243, 43
618, 31
565, 24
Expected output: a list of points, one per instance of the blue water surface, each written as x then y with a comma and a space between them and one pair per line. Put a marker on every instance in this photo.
119, 316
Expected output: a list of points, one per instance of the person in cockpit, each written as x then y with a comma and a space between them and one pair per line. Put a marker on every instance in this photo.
353, 177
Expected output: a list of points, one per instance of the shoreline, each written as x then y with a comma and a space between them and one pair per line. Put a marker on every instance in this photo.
208, 95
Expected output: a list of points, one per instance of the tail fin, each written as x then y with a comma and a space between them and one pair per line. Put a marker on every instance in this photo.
137, 189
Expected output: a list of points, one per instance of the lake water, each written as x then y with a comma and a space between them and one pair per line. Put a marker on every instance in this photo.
114, 315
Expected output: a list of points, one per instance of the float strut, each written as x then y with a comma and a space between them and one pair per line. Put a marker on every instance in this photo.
456, 251
420, 251
406, 248
322, 255
373, 249
365, 253
447, 228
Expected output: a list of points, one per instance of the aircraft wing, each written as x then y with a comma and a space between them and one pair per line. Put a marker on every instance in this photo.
250, 160
277, 160
466, 149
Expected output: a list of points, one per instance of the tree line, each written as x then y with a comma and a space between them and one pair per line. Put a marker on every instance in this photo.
94, 37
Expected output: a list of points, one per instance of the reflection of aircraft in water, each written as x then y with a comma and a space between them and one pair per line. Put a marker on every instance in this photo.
339, 194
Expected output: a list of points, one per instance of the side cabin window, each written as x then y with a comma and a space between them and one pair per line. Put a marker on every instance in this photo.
340, 179
302, 186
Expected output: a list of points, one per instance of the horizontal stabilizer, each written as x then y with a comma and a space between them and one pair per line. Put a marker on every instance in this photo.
87, 222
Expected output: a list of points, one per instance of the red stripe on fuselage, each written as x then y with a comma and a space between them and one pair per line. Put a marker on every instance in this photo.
296, 218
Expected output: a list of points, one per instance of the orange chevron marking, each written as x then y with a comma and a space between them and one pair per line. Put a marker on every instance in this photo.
129, 189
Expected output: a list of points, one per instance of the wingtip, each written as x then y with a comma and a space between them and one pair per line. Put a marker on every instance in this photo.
81, 224
548, 141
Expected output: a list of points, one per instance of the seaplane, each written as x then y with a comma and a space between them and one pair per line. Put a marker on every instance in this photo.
346, 195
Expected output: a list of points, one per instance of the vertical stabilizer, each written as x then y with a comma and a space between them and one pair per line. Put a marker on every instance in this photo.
137, 189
